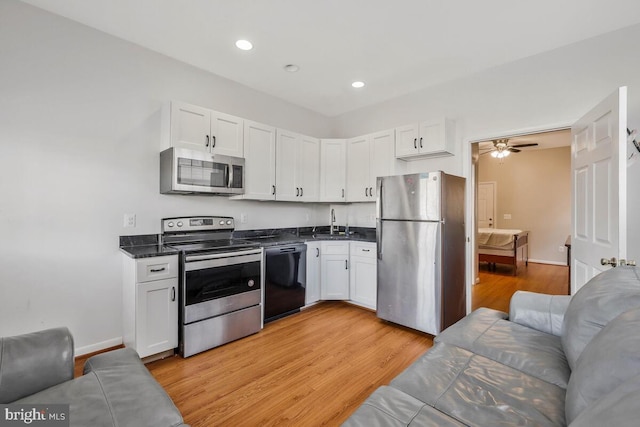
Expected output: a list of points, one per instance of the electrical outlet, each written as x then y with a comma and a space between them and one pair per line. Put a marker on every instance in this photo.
244, 218
130, 220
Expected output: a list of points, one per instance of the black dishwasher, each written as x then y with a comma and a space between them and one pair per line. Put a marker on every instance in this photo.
285, 280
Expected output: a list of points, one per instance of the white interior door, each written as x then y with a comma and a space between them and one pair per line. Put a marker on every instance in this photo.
598, 188
486, 204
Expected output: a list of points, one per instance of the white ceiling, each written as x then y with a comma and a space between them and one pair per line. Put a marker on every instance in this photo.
396, 47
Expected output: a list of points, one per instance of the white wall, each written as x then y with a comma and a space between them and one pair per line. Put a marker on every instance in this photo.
80, 135
543, 91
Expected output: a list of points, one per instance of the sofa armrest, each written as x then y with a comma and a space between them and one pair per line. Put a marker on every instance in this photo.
33, 362
539, 311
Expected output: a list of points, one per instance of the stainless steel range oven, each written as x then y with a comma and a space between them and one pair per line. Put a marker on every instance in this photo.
221, 282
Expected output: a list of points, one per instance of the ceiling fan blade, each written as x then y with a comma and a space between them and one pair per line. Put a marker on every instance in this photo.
514, 150
533, 144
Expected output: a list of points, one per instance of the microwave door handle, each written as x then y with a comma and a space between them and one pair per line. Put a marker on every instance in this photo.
229, 172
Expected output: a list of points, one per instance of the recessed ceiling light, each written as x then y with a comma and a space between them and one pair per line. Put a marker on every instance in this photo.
291, 68
357, 85
244, 45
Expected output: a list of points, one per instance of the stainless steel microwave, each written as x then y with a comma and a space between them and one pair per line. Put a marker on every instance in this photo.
184, 171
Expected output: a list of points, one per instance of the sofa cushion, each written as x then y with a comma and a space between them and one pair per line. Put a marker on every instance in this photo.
391, 407
618, 408
123, 394
609, 359
476, 390
599, 301
528, 350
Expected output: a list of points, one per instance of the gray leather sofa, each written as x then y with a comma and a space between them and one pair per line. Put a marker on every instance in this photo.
552, 361
115, 390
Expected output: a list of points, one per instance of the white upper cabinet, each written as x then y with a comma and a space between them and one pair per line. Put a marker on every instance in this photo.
260, 161
198, 128
368, 157
426, 139
297, 167
333, 159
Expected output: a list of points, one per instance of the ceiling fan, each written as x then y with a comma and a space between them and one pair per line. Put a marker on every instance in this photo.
501, 148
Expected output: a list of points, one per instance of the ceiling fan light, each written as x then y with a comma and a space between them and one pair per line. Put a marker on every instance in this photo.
495, 154
505, 153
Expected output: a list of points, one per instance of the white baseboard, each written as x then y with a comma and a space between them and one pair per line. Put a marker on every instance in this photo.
542, 261
113, 342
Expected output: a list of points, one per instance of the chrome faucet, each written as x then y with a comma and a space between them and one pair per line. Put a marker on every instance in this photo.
333, 221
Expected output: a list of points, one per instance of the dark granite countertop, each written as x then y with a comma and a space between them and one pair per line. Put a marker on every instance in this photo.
144, 246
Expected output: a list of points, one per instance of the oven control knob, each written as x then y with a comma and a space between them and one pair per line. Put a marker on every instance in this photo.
251, 283
228, 222
179, 224
222, 222
170, 224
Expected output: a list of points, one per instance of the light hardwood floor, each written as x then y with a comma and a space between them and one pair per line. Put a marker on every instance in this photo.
313, 368
316, 367
496, 288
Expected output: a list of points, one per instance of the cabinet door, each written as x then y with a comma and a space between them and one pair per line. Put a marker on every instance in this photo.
260, 161
313, 273
362, 281
333, 156
309, 169
190, 126
335, 277
407, 141
287, 148
437, 137
358, 176
156, 316
227, 134
382, 159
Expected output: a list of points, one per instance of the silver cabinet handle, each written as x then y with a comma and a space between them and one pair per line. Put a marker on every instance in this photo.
173, 293
207, 138
420, 142
156, 270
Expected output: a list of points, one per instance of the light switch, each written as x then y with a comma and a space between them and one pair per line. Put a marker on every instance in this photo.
507, 216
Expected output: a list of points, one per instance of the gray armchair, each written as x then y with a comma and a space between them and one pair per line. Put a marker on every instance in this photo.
115, 390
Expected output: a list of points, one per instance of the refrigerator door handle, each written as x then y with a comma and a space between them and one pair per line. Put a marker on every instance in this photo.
379, 217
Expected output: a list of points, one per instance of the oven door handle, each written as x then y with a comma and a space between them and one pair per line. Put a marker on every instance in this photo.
205, 257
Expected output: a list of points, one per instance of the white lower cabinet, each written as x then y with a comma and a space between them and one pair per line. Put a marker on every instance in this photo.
150, 305
363, 274
312, 293
334, 261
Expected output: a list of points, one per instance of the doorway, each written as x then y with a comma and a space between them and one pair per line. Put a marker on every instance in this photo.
528, 176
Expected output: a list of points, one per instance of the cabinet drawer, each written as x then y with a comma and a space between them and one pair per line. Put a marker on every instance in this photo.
363, 249
334, 248
156, 268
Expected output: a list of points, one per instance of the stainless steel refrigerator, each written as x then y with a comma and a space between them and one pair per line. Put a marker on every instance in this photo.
421, 250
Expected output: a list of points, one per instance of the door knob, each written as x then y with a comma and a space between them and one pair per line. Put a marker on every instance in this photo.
613, 262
